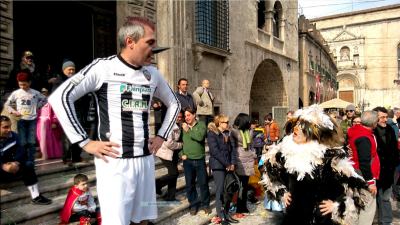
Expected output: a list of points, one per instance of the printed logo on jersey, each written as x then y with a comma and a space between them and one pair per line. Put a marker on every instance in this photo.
147, 74
119, 74
129, 88
77, 78
134, 105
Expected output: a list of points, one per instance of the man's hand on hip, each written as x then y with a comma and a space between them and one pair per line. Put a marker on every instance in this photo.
100, 149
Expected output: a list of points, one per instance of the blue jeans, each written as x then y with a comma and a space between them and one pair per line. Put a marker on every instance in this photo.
385, 215
196, 168
27, 138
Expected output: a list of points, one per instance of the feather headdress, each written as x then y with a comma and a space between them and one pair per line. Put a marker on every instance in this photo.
315, 115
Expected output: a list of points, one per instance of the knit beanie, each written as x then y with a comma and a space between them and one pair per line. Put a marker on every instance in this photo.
67, 63
24, 76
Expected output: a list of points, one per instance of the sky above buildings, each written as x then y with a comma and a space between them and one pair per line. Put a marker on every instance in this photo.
319, 8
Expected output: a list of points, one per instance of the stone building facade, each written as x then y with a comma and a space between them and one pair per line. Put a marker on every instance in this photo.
251, 59
365, 45
6, 42
247, 49
317, 69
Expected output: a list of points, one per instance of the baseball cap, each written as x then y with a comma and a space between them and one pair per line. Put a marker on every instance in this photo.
350, 107
28, 53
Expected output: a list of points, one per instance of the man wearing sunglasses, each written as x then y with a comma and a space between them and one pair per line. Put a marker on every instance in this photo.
346, 123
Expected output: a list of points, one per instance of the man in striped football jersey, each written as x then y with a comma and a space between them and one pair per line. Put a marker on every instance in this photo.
124, 85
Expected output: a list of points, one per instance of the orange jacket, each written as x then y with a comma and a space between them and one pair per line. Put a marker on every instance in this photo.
273, 131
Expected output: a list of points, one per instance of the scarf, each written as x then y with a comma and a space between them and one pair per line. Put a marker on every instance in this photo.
245, 138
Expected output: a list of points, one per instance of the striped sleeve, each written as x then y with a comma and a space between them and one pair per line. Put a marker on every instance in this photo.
63, 98
168, 97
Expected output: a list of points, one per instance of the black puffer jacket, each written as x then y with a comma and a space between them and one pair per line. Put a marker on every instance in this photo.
222, 153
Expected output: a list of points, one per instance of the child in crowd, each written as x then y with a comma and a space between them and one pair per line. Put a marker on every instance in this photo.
79, 204
24, 103
257, 134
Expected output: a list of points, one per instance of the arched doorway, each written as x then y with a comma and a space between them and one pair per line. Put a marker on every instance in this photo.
348, 85
267, 89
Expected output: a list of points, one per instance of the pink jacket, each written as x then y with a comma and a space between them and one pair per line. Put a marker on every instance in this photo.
171, 144
48, 132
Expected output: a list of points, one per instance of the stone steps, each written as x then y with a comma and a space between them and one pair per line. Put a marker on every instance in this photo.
55, 179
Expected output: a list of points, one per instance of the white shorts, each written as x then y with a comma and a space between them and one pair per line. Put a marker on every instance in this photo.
126, 190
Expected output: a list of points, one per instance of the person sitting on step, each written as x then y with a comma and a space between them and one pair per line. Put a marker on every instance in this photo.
79, 204
13, 162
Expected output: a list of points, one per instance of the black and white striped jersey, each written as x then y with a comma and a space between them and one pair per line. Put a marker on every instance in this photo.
123, 94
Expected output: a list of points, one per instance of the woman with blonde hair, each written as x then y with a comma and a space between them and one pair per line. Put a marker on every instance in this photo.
223, 158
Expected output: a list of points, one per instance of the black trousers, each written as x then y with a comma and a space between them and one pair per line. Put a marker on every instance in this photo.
242, 201
72, 152
171, 178
27, 173
221, 202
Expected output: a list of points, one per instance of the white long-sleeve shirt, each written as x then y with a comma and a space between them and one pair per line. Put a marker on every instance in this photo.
27, 103
123, 94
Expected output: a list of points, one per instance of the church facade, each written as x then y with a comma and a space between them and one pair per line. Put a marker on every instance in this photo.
366, 47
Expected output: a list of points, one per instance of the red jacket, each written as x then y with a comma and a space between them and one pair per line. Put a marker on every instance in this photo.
66, 212
354, 133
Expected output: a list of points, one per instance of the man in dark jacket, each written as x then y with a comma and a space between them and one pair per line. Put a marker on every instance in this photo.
388, 157
12, 161
184, 97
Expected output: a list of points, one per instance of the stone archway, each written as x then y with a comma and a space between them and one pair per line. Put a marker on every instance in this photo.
267, 89
348, 86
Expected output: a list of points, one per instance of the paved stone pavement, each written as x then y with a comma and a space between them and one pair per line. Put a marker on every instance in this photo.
260, 216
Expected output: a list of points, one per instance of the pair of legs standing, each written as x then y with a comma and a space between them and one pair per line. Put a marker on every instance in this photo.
196, 168
27, 139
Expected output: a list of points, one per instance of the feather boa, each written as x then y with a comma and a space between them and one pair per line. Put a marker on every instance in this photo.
300, 158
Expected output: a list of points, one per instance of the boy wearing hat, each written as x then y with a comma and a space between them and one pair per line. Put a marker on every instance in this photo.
27, 101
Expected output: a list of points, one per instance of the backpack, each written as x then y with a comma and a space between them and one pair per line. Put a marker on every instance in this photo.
231, 186
258, 140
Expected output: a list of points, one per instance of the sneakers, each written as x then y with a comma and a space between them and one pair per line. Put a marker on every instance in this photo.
216, 220
41, 200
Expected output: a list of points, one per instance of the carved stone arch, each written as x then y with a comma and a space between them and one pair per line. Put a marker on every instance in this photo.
267, 89
346, 75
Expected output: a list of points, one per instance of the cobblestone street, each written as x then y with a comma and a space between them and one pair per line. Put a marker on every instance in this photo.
260, 216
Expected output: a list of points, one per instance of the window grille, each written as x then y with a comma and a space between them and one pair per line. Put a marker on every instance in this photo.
212, 23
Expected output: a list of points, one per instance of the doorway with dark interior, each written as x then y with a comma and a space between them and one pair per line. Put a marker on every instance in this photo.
54, 31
